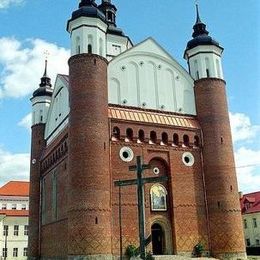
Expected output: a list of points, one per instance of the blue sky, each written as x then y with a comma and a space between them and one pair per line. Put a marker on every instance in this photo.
29, 27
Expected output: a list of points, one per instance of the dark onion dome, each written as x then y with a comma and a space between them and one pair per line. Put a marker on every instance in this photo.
200, 35
45, 88
115, 30
87, 8
109, 10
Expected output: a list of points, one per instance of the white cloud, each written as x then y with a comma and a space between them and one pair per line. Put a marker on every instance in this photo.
248, 169
26, 122
23, 65
7, 3
14, 166
245, 135
242, 128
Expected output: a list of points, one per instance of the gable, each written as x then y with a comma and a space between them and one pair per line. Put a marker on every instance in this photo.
146, 76
58, 112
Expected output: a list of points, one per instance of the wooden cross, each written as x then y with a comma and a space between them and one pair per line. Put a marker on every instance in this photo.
140, 182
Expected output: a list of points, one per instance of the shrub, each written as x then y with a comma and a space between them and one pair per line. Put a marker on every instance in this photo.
131, 251
198, 249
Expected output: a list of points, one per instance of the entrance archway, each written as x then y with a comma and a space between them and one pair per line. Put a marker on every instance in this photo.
158, 239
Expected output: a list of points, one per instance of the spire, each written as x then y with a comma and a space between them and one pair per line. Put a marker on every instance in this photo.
45, 80
198, 14
199, 27
87, 3
45, 70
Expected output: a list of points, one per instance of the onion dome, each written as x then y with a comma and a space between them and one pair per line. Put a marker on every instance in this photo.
200, 34
109, 10
87, 8
45, 88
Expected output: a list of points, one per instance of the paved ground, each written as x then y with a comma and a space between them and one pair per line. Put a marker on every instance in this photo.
177, 257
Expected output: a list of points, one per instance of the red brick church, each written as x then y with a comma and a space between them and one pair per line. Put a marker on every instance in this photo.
118, 102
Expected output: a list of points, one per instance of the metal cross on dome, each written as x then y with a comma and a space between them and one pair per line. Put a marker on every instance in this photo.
46, 54
140, 182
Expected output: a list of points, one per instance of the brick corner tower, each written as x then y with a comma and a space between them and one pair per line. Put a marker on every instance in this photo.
203, 54
41, 100
89, 186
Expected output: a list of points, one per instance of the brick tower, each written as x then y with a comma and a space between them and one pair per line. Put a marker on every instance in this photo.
204, 58
89, 188
41, 100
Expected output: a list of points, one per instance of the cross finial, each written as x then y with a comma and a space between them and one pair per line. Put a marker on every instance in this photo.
46, 54
197, 10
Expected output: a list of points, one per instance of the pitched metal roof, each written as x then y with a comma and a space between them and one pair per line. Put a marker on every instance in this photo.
153, 117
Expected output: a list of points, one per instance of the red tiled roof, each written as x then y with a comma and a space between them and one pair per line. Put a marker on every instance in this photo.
252, 200
15, 188
15, 213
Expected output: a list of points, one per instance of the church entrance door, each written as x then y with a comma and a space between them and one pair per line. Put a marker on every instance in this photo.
157, 239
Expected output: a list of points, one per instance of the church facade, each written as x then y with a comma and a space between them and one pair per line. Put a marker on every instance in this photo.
118, 102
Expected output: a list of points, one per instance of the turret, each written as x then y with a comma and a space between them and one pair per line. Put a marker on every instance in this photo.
203, 53
224, 214
89, 177
87, 28
109, 10
41, 100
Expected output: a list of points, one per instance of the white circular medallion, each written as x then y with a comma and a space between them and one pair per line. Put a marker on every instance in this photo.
156, 170
188, 159
126, 154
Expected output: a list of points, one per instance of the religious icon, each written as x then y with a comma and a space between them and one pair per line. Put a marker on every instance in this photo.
158, 198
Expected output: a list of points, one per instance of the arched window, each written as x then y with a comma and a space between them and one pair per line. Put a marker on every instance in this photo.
196, 68
78, 45
90, 43
89, 48
158, 195
207, 67
116, 133
141, 136
153, 137
176, 139
164, 138
129, 134
196, 141
110, 16
186, 140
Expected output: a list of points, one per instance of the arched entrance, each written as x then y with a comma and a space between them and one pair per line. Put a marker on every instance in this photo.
158, 239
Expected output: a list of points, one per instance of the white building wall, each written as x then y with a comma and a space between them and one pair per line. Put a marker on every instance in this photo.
252, 232
85, 31
146, 77
59, 109
8, 202
40, 107
116, 45
20, 241
203, 58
